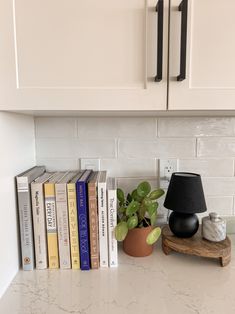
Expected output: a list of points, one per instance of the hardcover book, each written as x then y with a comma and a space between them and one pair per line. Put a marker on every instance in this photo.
103, 226
83, 224
73, 221
39, 220
112, 221
50, 205
63, 220
23, 182
93, 220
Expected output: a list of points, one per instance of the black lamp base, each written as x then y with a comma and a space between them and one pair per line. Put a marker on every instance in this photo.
183, 225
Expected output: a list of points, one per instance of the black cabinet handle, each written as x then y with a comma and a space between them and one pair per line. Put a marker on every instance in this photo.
183, 7
159, 10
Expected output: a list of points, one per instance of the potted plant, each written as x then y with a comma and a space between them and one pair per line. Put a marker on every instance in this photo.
137, 215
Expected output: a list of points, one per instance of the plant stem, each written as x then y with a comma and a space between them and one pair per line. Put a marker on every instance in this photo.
146, 222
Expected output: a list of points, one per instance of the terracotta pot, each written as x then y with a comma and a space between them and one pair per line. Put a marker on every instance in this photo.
135, 242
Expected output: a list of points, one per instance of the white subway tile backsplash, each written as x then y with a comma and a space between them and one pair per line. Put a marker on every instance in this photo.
216, 147
55, 127
195, 126
129, 184
75, 148
176, 147
96, 148
161, 148
221, 205
219, 186
136, 149
123, 127
56, 148
128, 147
130, 167
208, 167
58, 164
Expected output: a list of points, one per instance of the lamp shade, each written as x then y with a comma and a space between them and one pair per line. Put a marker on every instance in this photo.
185, 193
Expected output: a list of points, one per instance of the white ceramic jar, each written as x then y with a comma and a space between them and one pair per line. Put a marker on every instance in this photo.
213, 228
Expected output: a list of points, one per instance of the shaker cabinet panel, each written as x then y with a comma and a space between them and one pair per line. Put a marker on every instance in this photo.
209, 81
82, 55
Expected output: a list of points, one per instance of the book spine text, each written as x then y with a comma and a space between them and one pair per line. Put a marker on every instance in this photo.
83, 226
50, 206
103, 234
39, 225
73, 226
93, 223
26, 228
63, 226
112, 222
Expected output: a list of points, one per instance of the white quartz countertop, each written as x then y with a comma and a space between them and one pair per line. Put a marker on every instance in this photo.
155, 284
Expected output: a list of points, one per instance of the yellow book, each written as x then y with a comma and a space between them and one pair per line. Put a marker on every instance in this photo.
73, 221
50, 206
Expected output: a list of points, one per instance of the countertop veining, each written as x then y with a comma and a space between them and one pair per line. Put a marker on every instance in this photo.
161, 284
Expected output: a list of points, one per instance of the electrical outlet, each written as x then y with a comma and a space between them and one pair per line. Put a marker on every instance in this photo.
167, 167
90, 164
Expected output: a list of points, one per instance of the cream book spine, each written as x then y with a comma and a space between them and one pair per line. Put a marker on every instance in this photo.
112, 222
102, 212
50, 205
39, 223
73, 225
63, 225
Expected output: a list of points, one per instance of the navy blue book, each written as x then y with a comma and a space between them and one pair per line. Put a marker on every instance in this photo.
83, 223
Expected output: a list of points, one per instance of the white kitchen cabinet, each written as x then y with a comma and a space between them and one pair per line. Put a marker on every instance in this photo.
83, 55
209, 82
103, 56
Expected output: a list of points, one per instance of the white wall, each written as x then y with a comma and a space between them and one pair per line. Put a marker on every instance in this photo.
17, 153
131, 147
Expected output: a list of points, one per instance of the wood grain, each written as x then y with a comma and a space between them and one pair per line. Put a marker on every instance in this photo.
196, 245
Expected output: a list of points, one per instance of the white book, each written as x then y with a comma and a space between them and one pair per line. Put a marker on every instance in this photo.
39, 220
63, 220
25, 215
103, 219
112, 221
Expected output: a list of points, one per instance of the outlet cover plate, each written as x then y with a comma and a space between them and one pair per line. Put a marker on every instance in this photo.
167, 167
90, 164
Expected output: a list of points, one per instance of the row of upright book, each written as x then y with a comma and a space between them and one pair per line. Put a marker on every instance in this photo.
67, 219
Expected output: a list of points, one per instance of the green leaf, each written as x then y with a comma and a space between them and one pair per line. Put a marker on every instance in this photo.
143, 189
122, 209
132, 222
147, 202
136, 197
153, 236
120, 196
151, 208
132, 208
129, 198
153, 218
156, 194
121, 231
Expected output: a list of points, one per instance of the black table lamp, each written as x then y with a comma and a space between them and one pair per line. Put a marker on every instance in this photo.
185, 197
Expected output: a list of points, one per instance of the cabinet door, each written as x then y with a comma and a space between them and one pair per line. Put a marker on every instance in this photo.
210, 55
81, 55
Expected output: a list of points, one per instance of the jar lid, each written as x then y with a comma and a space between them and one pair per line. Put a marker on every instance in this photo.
214, 216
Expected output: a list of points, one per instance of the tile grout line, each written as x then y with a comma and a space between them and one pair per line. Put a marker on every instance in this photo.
157, 127
197, 148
